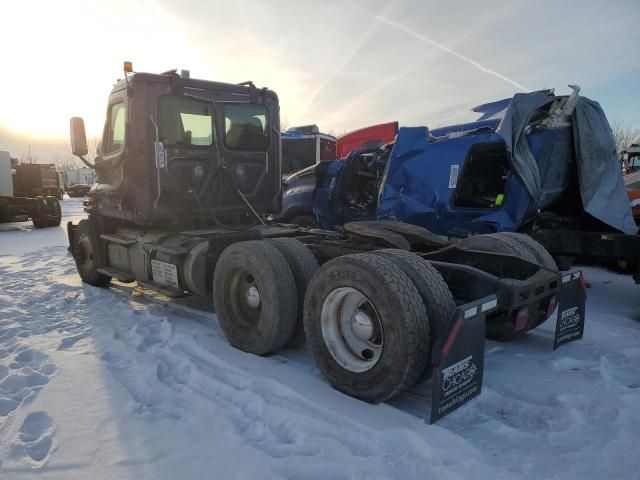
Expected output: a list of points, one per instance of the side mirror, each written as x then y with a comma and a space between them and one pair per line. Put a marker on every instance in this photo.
78, 137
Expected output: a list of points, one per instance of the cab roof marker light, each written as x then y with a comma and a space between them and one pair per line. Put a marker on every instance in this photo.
128, 68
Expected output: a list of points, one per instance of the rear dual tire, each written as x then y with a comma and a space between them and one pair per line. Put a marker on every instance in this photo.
255, 296
303, 265
367, 326
540, 253
47, 212
435, 293
367, 317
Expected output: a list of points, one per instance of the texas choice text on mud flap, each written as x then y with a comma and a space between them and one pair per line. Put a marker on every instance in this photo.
458, 358
571, 309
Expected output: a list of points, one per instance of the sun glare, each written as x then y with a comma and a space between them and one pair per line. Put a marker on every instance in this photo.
61, 67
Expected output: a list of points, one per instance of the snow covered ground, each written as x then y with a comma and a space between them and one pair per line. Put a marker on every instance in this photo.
115, 384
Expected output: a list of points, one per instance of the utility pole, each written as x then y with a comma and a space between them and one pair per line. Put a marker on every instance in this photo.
29, 153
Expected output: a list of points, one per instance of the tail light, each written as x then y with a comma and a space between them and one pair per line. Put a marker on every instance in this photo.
583, 283
552, 306
522, 318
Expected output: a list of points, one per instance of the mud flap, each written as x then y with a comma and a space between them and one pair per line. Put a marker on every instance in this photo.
571, 309
458, 358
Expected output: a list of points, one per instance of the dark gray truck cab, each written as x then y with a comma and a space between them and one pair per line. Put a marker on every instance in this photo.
164, 141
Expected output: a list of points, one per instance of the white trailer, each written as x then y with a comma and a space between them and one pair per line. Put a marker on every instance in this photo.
80, 175
6, 180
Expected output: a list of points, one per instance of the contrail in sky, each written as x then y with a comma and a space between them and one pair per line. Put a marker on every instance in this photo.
442, 47
356, 47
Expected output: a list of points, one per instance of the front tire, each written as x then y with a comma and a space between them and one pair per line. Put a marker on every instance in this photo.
366, 326
85, 252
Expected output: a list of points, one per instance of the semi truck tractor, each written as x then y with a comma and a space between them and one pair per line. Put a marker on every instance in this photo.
189, 172
20, 202
36, 180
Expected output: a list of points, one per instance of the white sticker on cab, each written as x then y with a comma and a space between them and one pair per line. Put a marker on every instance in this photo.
453, 176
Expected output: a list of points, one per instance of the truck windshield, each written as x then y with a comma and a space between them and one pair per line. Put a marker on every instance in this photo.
184, 121
245, 127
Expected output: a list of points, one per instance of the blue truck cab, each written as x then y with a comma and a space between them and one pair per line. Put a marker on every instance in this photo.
534, 158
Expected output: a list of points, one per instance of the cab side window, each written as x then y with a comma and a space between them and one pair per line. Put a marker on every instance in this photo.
246, 127
115, 133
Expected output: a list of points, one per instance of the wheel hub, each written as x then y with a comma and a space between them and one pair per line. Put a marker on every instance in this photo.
253, 297
361, 326
351, 329
84, 253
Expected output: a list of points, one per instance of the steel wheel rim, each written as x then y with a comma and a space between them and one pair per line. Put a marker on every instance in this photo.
84, 258
245, 299
351, 329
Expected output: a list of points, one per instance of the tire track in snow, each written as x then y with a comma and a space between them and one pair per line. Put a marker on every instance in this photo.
572, 407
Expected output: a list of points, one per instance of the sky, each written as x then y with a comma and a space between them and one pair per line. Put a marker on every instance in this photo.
340, 64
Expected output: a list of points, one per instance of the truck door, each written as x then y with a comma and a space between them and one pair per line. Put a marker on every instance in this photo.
250, 149
109, 165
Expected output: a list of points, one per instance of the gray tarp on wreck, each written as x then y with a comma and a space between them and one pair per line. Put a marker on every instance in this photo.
601, 185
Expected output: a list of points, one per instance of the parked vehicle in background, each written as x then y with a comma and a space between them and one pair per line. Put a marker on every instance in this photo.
83, 176
632, 178
61, 184
16, 204
305, 146
78, 190
297, 198
298, 188
373, 136
36, 179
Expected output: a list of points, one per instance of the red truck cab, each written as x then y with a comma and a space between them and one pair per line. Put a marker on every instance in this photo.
373, 136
